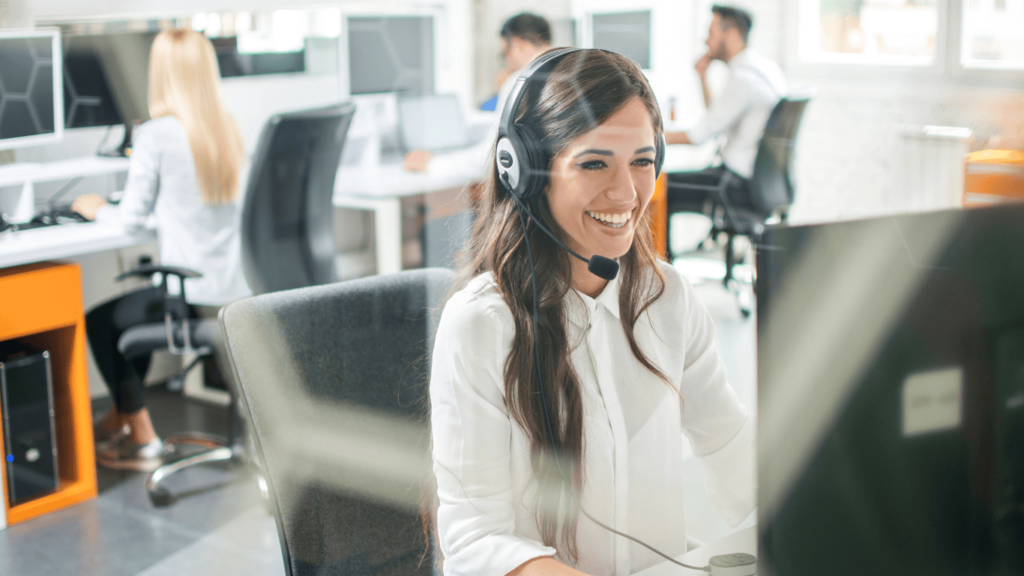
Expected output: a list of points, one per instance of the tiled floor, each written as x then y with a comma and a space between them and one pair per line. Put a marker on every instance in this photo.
221, 527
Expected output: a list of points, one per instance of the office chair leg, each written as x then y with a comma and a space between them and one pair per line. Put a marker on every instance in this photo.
218, 449
176, 383
161, 496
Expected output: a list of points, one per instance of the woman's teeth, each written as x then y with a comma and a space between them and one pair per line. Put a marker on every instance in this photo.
611, 220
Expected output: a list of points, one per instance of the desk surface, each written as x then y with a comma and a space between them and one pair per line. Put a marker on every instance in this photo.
742, 540
65, 241
392, 180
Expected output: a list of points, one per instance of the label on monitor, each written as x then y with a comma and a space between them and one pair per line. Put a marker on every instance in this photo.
932, 401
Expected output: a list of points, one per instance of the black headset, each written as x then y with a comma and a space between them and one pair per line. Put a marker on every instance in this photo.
523, 164
519, 156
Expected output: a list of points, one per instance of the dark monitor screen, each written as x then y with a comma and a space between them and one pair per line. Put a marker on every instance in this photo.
391, 54
106, 78
627, 33
28, 81
891, 396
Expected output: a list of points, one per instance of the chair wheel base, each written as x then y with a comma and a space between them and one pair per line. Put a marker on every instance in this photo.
161, 497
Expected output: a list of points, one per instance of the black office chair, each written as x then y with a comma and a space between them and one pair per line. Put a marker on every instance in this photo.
287, 239
288, 214
180, 335
771, 189
334, 382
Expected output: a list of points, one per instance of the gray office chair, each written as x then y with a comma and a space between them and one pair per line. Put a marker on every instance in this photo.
288, 213
771, 187
333, 380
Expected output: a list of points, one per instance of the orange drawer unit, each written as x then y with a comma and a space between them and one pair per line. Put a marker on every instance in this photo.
41, 309
993, 176
659, 215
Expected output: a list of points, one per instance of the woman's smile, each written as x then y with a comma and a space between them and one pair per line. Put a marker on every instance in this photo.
612, 219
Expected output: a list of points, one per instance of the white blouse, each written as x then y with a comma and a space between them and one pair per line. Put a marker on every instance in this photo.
190, 233
634, 427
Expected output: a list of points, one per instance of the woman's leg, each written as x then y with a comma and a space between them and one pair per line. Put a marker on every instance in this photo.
124, 377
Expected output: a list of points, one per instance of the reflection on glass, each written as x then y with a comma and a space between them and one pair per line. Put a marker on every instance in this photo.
994, 34
869, 31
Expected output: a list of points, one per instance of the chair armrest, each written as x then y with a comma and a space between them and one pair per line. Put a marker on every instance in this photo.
150, 269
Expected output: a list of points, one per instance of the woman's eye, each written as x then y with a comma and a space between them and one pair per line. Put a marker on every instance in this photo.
643, 162
592, 165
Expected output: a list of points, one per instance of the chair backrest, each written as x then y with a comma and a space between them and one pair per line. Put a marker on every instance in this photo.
287, 231
334, 381
772, 182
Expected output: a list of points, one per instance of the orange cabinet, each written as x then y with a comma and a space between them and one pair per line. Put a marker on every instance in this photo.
41, 307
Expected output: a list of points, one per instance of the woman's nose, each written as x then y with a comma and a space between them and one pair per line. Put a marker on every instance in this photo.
623, 188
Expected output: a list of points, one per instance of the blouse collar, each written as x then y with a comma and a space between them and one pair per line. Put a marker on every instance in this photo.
608, 299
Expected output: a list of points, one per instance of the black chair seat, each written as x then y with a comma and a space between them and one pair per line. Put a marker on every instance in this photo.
146, 338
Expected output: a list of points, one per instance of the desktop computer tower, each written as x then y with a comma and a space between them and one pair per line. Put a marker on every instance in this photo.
26, 399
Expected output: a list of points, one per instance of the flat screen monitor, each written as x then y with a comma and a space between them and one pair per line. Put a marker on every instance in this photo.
432, 123
891, 396
30, 88
391, 54
627, 33
106, 78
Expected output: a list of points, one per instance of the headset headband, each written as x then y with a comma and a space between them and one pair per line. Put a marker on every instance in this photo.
518, 92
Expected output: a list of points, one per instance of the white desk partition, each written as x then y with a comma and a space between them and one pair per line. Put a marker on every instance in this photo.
380, 189
26, 174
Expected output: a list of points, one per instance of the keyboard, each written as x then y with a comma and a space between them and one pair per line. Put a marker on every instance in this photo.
51, 216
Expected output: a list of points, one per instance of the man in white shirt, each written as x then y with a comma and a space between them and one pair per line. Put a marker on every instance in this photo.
739, 114
523, 37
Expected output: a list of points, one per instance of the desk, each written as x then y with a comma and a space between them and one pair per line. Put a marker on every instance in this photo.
381, 189
742, 540
65, 241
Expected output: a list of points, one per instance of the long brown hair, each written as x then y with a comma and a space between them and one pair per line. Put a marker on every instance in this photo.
583, 90
183, 82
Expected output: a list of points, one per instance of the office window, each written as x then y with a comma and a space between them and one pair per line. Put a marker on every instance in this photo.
993, 34
869, 31
391, 54
628, 33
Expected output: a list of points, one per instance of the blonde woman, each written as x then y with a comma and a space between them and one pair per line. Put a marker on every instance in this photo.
185, 174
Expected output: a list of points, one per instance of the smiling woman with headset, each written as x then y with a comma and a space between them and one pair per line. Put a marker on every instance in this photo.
570, 362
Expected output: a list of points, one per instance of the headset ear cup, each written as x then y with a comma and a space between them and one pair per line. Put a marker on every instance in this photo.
659, 155
533, 165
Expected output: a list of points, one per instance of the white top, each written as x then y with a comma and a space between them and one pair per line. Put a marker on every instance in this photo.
634, 428
742, 110
162, 182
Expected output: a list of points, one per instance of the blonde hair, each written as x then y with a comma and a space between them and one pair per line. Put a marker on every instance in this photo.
183, 82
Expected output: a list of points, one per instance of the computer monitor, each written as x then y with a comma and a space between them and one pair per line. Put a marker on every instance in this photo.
891, 396
106, 78
30, 88
626, 33
432, 123
390, 54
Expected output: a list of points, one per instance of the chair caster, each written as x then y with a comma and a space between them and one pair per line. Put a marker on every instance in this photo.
160, 497
176, 383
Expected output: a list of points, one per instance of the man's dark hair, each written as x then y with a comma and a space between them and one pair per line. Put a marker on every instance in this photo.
733, 17
530, 27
